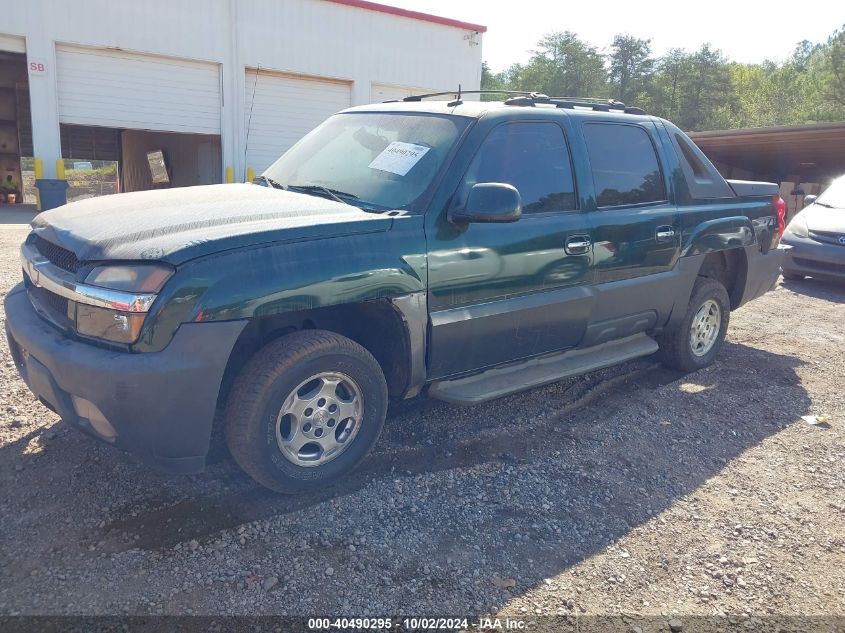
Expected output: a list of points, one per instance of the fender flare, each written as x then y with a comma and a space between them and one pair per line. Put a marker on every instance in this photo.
719, 235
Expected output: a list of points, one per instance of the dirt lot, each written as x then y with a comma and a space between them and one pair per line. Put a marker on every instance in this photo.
632, 490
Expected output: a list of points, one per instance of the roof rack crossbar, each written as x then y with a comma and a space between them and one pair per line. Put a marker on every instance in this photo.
528, 98
466, 92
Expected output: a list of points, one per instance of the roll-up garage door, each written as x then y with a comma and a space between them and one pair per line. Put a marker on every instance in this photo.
116, 89
281, 109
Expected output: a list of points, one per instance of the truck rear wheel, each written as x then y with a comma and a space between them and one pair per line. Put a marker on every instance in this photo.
697, 339
305, 410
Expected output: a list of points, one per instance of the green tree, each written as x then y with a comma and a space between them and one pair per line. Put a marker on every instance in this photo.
490, 81
630, 67
826, 66
708, 88
669, 83
564, 65
767, 94
697, 90
508, 79
488, 78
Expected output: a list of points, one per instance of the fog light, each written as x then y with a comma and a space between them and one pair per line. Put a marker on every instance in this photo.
88, 410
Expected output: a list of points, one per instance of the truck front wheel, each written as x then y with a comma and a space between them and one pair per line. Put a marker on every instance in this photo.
697, 339
305, 410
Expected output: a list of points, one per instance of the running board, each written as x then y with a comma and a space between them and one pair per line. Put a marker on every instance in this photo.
503, 381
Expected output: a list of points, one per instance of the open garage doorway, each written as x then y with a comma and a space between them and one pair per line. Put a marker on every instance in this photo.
156, 160
91, 156
101, 161
17, 176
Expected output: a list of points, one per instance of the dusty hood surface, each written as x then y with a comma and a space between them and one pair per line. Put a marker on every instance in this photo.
175, 225
824, 219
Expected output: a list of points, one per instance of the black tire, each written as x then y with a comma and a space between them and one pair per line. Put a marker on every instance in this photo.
675, 347
792, 276
269, 378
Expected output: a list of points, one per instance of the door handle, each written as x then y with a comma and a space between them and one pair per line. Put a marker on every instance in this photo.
665, 234
577, 244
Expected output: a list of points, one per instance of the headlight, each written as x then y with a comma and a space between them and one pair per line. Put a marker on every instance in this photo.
121, 325
130, 278
798, 226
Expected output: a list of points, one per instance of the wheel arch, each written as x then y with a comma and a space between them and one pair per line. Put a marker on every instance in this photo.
390, 329
728, 267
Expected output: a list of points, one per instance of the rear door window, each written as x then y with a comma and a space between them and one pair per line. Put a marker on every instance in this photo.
625, 166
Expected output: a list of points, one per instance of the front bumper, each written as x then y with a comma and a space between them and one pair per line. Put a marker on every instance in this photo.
814, 259
159, 405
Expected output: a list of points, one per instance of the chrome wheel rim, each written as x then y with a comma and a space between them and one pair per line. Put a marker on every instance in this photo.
705, 327
319, 419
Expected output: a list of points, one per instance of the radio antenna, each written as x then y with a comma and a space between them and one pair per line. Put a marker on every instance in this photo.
457, 101
249, 120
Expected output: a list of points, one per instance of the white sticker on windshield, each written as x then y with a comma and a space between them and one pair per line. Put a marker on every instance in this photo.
399, 157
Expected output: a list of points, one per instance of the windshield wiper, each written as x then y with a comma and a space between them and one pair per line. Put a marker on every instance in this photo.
824, 204
337, 195
269, 181
334, 194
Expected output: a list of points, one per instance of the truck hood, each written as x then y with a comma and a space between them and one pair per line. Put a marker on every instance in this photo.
175, 225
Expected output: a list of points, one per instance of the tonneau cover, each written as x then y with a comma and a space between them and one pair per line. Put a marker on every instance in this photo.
753, 188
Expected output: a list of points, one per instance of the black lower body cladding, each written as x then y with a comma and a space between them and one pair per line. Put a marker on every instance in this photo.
762, 273
158, 406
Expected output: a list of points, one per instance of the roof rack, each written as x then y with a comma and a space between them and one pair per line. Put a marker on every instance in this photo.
526, 98
460, 92
594, 103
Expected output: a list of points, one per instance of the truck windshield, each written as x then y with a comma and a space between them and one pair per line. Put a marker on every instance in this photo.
374, 160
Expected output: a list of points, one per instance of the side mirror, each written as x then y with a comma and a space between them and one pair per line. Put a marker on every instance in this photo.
489, 202
808, 200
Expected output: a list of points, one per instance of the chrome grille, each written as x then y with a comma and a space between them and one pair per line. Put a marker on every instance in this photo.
55, 307
57, 255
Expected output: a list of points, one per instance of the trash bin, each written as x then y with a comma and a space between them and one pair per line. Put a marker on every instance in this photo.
52, 192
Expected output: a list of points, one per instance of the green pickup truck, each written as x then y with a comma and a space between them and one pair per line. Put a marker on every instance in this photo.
463, 250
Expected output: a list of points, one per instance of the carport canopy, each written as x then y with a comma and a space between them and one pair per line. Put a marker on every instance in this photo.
816, 151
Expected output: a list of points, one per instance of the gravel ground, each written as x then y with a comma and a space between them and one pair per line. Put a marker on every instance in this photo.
631, 490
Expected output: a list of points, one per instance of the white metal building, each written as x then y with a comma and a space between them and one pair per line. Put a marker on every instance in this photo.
220, 85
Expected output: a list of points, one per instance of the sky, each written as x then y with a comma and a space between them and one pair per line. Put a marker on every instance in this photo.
746, 31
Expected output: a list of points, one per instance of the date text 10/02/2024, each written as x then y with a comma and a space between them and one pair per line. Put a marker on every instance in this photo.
417, 624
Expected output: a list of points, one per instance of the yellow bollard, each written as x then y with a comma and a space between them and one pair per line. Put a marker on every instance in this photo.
39, 174
250, 174
60, 169
230, 174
